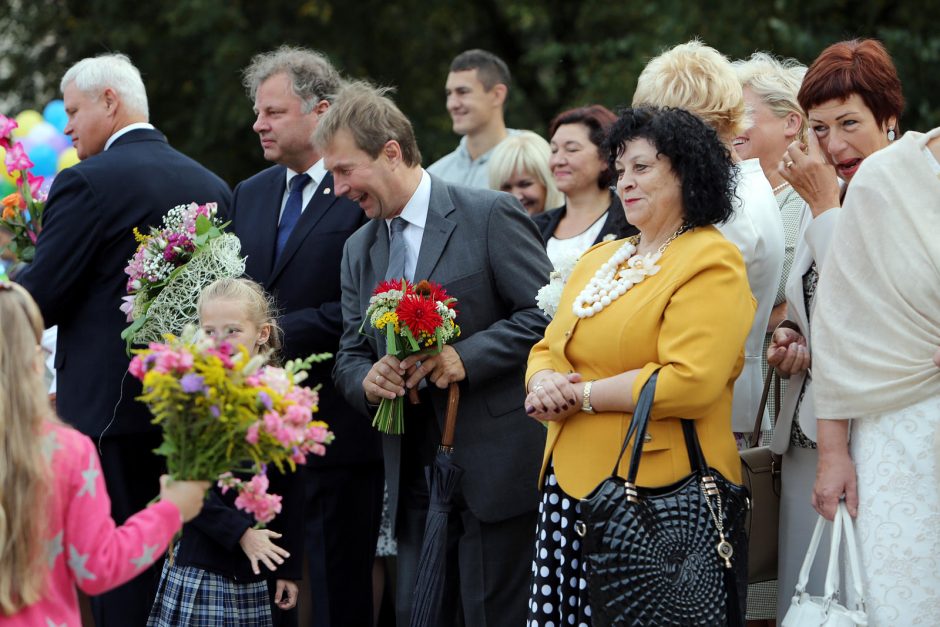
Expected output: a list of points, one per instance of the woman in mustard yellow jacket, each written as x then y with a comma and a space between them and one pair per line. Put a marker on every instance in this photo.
676, 298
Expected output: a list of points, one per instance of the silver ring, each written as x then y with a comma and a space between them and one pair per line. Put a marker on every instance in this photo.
378, 379
788, 164
538, 387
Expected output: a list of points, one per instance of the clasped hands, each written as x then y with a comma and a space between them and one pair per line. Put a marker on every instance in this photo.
788, 352
390, 377
554, 396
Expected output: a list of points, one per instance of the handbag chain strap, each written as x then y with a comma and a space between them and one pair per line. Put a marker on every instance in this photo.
724, 548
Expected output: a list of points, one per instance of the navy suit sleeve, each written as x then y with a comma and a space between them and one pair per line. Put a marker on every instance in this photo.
71, 233
520, 267
222, 522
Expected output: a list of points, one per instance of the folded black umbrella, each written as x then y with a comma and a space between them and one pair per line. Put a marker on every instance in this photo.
443, 477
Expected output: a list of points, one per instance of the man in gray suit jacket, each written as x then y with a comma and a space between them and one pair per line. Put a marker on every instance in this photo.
484, 250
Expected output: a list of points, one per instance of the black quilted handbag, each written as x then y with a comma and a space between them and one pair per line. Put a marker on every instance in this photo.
673, 555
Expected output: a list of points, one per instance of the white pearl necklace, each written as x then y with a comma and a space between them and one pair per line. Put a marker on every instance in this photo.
622, 271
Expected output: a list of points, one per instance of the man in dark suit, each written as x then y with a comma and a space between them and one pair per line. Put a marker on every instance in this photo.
485, 251
293, 227
129, 176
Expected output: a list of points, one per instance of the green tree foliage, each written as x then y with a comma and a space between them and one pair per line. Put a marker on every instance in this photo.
562, 53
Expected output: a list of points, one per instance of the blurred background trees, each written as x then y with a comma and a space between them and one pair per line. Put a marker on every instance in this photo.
561, 53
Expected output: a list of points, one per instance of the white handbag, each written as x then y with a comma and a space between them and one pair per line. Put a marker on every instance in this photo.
827, 611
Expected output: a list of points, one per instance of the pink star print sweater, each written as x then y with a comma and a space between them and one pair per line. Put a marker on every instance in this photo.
83, 545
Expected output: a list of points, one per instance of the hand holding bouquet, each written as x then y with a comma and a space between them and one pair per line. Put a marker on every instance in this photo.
223, 412
415, 319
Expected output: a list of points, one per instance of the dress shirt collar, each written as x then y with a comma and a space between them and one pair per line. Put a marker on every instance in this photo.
416, 210
316, 173
127, 129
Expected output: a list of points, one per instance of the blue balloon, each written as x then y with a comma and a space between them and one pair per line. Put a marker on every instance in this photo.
44, 160
55, 114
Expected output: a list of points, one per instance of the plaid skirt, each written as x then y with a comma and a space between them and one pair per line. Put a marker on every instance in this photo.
192, 597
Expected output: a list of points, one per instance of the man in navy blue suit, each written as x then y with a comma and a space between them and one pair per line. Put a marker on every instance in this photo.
129, 177
292, 228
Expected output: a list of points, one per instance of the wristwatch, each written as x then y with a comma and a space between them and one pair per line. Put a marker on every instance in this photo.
586, 398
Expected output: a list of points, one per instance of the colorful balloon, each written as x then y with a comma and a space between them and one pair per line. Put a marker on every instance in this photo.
42, 134
55, 114
67, 158
44, 160
27, 120
4, 175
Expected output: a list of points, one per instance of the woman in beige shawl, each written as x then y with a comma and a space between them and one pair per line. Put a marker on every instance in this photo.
876, 329
852, 98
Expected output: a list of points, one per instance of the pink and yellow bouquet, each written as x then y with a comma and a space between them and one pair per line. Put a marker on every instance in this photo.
169, 268
226, 416
23, 209
416, 319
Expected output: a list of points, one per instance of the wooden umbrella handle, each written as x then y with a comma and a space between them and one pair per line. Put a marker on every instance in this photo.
450, 418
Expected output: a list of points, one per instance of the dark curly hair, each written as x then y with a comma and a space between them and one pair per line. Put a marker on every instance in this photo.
700, 160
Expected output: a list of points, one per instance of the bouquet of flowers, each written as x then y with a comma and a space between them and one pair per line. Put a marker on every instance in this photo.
225, 415
171, 266
416, 319
22, 210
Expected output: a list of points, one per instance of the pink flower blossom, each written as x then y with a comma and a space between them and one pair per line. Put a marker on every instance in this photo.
298, 456
254, 499
170, 361
137, 368
297, 415
6, 128
251, 436
128, 307
17, 159
35, 183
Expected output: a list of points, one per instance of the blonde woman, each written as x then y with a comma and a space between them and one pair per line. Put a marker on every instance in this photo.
775, 119
699, 79
56, 529
519, 166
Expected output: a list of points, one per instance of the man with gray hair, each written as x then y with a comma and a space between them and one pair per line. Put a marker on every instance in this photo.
129, 177
486, 252
292, 227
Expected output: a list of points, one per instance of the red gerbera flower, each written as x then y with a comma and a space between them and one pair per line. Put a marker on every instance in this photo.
435, 291
418, 314
387, 286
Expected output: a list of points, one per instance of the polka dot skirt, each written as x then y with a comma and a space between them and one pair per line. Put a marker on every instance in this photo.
559, 593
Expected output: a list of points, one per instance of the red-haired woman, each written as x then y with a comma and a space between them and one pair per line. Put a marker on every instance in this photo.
852, 97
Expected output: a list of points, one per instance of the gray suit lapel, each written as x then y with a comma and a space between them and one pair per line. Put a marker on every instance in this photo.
437, 230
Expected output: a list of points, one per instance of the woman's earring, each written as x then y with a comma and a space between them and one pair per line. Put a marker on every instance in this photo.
891, 135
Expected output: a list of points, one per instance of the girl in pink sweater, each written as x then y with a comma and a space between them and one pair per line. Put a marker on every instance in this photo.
56, 529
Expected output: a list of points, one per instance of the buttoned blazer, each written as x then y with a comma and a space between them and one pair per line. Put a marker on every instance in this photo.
689, 320
305, 283
813, 244
78, 278
485, 251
